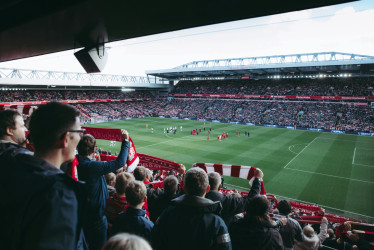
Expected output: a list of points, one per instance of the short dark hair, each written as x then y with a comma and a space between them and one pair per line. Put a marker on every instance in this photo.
135, 192
122, 180
196, 181
49, 122
258, 208
284, 207
86, 145
171, 184
7, 120
214, 180
140, 173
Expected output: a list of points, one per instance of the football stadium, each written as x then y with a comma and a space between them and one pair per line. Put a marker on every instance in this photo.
289, 135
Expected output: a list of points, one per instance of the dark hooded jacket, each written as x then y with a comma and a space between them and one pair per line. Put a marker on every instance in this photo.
40, 205
247, 234
156, 206
234, 205
191, 222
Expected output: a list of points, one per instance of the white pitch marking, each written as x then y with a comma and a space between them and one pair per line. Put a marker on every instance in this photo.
354, 154
334, 176
300, 152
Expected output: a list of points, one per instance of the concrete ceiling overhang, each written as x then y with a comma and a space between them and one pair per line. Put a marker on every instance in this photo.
37, 27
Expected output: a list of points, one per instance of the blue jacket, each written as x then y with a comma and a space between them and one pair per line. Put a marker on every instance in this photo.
133, 221
41, 207
191, 222
92, 172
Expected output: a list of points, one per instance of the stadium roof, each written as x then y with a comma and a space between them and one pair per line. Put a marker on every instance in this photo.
37, 27
329, 63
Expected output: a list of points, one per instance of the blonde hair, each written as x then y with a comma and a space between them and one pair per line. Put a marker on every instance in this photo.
125, 241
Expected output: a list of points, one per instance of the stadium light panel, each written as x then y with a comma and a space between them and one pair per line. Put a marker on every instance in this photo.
127, 90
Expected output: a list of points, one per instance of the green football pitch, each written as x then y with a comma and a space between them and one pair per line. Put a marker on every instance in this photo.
335, 171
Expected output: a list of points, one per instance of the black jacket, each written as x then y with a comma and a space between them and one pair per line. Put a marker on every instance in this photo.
191, 222
159, 204
247, 235
40, 205
234, 205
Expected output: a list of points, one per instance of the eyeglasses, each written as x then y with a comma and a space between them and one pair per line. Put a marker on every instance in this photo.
80, 131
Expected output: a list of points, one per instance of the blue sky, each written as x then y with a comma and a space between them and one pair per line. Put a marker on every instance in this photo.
342, 28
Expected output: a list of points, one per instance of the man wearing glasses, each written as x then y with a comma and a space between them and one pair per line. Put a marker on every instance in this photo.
43, 208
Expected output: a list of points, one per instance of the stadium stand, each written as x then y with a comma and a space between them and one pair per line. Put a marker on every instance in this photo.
52, 95
311, 87
350, 117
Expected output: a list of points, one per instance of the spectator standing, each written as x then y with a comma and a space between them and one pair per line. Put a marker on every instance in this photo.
256, 230
12, 129
44, 209
144, 175
163, 200
92, 172
232, 205
192, 222
312, 241
292, 230
134, 220
110, 179
117, 203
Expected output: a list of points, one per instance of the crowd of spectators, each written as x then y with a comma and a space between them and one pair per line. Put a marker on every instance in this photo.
53, 95
308, 87
319, 115
190, 211
289, 86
